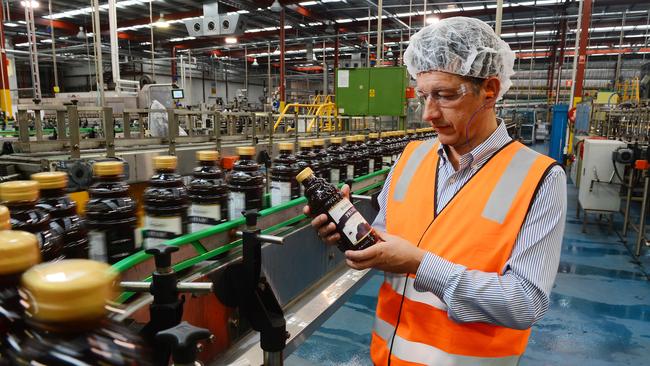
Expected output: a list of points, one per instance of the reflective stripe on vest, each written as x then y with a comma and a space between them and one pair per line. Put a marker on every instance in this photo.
426, 354
397, 282
411, 167
506, 189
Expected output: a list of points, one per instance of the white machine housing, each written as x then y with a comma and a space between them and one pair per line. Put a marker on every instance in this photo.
215, 24
599, 185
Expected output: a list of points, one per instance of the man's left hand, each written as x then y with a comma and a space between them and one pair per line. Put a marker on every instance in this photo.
394, 254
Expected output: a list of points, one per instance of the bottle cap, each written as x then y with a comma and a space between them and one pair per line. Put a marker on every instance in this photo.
245, 151
336, 140
351, 139
165, 162
19, 190
319, 142
51, 180
68, 290
5, 224
306, 143
207, 155
361, 138
373, 136
286, 146
18, 251
410, 131
304, 174
107, 168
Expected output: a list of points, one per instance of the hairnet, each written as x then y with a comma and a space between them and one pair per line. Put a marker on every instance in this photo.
462, 46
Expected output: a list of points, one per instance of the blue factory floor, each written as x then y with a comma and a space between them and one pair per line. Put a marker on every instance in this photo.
599, 313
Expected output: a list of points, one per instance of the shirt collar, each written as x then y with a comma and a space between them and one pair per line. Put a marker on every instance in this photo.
485, 149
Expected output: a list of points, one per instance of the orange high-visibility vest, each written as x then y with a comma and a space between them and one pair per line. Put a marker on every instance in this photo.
478, 229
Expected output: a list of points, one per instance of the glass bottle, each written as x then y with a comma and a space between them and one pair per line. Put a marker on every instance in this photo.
21, 197
376, 152
66, 319
111, 214
208, 193
284, 187
323, 158
63, 212
355, 162
307, 158
338, 163
356, 233
165, 203
364, 153
246, 184
18, 252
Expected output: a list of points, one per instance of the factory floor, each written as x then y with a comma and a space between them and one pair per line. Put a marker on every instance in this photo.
599, 313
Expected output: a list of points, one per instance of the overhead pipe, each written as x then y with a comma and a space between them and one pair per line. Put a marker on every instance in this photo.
53, 44
98, 53
619, 59
282, 65
115, 50
499, 18
380, 36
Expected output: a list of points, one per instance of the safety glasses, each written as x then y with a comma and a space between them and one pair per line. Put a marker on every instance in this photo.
445, 98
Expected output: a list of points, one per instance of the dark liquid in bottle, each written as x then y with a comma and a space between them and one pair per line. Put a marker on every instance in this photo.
246, 184
63, 212
324, 160
111, 220
165, 205
208, 193
356, 164
338, 163
308, 159
356, 233
284, 187
25, 216
364, 152
376, 154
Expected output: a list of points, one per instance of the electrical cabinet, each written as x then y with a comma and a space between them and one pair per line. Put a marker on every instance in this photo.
599, 185
375, 91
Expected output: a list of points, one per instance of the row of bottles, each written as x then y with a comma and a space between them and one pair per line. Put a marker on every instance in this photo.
55, 313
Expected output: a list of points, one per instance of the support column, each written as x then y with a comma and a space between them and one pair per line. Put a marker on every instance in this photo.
585, 21
173, 64
5, 95
282, 76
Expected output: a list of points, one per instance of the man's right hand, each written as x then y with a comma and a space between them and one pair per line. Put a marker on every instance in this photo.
327, 230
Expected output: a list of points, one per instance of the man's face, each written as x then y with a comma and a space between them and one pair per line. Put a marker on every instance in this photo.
449, 104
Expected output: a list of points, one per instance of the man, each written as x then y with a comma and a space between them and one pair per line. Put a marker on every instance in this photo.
472, 222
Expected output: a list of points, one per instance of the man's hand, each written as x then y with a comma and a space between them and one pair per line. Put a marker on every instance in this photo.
394, 254
327, 231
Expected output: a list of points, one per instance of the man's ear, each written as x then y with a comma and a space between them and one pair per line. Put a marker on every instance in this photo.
491, 86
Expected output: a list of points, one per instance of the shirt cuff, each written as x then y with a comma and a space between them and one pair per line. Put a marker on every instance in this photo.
433, 274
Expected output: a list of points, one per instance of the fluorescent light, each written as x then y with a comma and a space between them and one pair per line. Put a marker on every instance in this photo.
308, 3
433, 20
161, 23
231, 40
344, 20
30, 4
11, 24
179, 39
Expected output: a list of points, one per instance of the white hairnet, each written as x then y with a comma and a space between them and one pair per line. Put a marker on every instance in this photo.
462, 46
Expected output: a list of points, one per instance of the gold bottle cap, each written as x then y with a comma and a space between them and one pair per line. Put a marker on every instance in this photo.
68, 290
165, 162
351, 139
361, 138
245, 151
5, 224
336, 140
373, 136
108, 168
207, 155
319, 142
306, 143
304, 174
285, 146
19, 190
18, 251
51, 180
410, 131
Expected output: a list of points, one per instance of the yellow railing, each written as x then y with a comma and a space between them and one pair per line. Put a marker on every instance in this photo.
320, 108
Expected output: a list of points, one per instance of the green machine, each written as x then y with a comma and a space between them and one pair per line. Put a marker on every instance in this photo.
375, 91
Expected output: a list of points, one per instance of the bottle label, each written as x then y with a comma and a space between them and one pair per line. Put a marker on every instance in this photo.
280, 192
371, 166
386, 160
350, 171
97, 246
335, 176
236, 204
204, 216
161, 229
394, 158
349, 221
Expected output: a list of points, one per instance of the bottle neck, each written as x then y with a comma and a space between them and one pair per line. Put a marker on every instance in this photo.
165, 171
20, 204
109, 178
69, 326
53, 192
9, 281
245, 157
207, 163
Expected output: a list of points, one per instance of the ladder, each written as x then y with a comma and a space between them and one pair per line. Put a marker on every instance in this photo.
33, 51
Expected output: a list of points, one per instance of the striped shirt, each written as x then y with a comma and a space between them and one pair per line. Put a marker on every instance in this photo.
518, 296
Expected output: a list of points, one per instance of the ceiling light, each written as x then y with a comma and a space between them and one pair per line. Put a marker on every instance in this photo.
231, 40
161, 23
277, 51
255, 63
433, 20
10, 24
389, 53
276, 7
81, 34
30, 3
